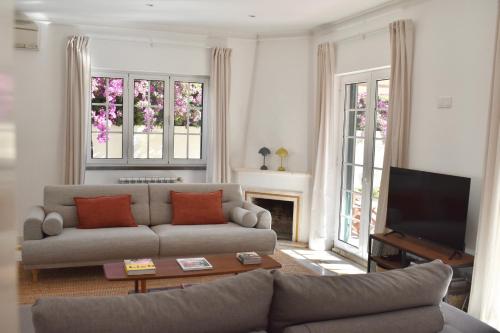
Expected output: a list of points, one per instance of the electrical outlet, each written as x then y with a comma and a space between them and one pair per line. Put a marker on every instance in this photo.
444, 102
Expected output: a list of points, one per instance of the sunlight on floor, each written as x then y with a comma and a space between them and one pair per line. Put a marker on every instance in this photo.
324, 262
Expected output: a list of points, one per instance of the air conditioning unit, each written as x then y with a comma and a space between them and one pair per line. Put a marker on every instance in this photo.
26, 35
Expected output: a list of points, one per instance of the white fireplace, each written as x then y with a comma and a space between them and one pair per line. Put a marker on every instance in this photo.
285, 193
285, 210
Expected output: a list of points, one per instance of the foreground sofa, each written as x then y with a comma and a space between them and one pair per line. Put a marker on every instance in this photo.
407, 300
155, 236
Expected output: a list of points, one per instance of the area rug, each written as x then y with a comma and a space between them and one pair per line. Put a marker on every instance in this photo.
90, 281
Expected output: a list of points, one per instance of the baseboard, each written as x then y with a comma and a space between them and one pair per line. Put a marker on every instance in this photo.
360, 261
292, 244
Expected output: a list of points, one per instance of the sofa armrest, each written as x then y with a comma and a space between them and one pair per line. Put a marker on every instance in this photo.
33, 224
263, 215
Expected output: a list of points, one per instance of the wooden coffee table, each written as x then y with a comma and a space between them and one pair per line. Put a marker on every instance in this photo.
168, 268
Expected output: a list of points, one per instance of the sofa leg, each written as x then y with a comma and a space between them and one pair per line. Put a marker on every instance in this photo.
34, 275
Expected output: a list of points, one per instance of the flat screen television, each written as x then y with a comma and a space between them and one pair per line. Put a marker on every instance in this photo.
428, 205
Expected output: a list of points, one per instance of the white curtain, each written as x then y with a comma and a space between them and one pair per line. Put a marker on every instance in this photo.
323, 183
77, 106
218, 168
485, 294
398, 123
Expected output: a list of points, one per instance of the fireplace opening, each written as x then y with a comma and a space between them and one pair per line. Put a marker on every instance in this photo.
282, 216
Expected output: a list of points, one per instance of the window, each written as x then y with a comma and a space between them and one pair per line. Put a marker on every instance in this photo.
365, 108
107, 118
188, 119
139, 119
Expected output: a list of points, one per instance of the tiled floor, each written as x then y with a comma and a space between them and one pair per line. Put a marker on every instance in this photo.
323, 262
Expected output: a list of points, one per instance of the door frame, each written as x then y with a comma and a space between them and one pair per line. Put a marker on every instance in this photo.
370, 77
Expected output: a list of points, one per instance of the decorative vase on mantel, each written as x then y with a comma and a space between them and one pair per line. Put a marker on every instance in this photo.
282, 153
264, 151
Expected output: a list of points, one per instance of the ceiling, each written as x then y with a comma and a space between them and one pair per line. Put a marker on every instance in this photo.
230, 16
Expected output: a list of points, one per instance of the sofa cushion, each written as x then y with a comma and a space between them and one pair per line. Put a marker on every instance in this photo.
104, 212
332, 297
197, 208
77, 246
60, 199
212, 239
53, 224
161, 204
238, 304
425, 319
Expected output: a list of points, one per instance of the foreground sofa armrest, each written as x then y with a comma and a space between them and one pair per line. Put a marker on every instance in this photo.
263, 215
457, 321
33, 224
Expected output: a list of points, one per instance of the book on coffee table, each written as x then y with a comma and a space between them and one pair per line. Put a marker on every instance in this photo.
139, 266
194, 264
249, 258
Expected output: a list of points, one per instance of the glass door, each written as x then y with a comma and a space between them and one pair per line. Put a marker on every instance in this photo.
365, 99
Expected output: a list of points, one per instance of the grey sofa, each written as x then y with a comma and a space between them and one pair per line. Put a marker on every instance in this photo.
407, 300
154, 237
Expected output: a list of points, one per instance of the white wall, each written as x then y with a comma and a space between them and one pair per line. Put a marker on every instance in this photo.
39, 82
8, 265
242, 75
454, 42
280, 110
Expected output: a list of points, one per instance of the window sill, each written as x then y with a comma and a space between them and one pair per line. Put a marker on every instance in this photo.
145, 167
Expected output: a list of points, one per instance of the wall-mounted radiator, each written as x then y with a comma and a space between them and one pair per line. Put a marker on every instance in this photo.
149, 180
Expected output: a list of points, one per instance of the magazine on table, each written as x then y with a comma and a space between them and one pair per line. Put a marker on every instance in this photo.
194, 264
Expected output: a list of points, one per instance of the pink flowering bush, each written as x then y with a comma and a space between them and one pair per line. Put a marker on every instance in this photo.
188, 103
381, 114
149, 95
108, 91
149, 104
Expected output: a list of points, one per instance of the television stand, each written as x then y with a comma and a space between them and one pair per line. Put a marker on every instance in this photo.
456, 253
420, 248
394, 232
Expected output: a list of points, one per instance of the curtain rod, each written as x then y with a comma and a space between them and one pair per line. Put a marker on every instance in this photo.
361, 35
151, 41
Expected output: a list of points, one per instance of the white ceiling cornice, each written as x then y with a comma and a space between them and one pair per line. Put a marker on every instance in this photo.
362, 17
158, 31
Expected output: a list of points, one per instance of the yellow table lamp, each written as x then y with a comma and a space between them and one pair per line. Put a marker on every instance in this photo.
282, 153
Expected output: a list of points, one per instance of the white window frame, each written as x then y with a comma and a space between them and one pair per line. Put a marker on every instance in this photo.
204, 125
168, 133
370, 77
125, 127
166, 111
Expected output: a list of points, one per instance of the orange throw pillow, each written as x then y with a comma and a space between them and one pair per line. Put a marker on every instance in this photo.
104, 212
197, 208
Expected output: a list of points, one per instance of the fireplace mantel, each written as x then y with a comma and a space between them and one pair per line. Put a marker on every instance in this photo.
272, 172
280, 182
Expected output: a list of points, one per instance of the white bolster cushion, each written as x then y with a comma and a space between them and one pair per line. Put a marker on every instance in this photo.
33, 224
244, 217
263, 215
53, 224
